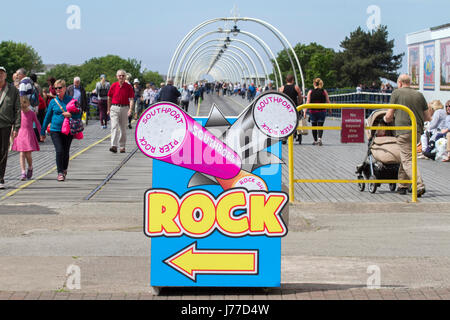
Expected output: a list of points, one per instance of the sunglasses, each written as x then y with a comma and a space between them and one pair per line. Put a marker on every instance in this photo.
58, 88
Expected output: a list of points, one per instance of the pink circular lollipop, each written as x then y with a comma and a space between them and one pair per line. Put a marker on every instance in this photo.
275, 115
166, 133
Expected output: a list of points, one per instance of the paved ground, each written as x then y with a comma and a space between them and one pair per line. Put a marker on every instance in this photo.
336, 232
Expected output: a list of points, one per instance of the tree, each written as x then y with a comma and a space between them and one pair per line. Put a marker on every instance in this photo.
90, 71
108, 65
61, 71
316, 62
19, 55
152, 76
367, 56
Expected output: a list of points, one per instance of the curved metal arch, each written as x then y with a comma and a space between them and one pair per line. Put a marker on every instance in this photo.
269, 54
237, 73
228, 75
237, 40
201, 54
265, 47
199, 69
232, 55
192, 54
256, 53
277, 33
211, 46
227, 59
251, 60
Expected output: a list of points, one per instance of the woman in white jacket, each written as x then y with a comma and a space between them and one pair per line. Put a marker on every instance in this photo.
437, 123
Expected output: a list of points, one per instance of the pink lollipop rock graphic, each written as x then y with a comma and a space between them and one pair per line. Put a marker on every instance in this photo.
166, 133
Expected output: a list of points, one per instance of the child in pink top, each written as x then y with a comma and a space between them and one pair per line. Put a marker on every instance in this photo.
26, 141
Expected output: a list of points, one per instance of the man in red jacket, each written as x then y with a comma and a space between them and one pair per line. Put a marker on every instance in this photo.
120, 107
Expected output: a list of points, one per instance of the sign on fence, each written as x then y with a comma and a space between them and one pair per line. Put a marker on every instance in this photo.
352, 126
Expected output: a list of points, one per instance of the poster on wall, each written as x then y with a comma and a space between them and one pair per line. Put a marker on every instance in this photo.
429, 66
414, 66
445, 64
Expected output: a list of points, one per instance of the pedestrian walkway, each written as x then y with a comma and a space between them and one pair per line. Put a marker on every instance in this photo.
94, 220
287, 293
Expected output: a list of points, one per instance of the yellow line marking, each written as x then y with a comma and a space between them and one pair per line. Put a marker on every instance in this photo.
198, 108
26, 185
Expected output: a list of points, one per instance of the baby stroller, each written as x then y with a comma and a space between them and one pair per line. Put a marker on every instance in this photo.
383, 156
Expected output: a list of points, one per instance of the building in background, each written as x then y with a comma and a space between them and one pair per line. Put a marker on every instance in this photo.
429, 62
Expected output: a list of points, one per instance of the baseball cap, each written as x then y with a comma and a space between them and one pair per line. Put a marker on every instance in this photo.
3, 69
102, 76
136, 81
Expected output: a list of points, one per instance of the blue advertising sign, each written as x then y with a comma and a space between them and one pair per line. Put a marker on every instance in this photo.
214, 211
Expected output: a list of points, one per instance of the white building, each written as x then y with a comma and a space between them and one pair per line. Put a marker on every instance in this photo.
429, 62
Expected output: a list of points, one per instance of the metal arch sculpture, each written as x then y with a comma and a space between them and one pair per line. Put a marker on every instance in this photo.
232, 75
287, 46
208, 54
229, 47
265, 47
233, 55
248, 57
228, 53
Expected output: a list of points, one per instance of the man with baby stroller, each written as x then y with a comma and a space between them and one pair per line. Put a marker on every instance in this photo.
415, 101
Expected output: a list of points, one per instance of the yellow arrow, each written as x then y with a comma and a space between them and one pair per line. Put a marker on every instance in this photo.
191, 262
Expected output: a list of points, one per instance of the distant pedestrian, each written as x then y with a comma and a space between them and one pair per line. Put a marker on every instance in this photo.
317, 116
197, 94
415, 101
185, 98
101, 90
26, 141
251, 92
120, 107
9, 117
146, 95
137, 98
28, 89
77, 91
169, 93
153, 94
51, 90
293, 91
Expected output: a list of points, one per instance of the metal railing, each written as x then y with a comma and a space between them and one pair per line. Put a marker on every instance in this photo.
413, 129
360, 98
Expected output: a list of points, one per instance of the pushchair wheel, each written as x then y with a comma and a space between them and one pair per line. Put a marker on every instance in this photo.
373, 186
392, 187
361, 186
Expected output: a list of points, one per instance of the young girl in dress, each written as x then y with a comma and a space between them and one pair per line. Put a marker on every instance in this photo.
26, 141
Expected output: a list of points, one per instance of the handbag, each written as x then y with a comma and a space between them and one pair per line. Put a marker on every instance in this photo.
65, 129
75, 125
303, 123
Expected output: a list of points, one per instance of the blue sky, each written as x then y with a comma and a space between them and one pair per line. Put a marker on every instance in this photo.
151, 30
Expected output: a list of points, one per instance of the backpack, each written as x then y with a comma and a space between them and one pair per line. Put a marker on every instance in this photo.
103, 91
34, 98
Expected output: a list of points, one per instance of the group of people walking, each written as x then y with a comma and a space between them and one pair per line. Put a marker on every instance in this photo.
25, 110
